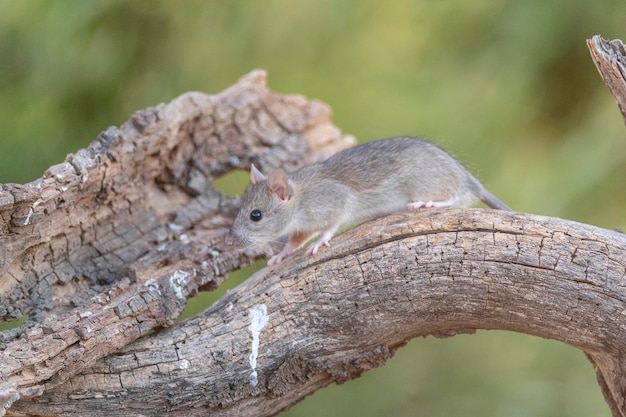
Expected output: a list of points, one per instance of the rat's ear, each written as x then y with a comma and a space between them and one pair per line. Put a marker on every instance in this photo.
256, 175
279, 184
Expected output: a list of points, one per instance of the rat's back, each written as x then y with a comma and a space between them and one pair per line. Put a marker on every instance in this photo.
390, 173
360, 183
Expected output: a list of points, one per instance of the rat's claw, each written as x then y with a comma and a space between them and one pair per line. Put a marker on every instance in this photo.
312, 250
276, 259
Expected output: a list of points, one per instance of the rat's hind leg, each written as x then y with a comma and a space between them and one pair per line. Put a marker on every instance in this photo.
438, 204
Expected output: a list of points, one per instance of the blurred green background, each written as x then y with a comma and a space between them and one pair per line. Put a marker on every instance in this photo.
506, 85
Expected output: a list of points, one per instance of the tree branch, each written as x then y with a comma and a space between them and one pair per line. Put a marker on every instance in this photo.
342, 312
610, 59
108, 246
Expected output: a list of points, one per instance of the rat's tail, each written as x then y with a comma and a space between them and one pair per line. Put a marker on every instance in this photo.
492, 201
485, 196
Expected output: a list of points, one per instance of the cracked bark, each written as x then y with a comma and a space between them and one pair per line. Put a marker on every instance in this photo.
108, 246
610, 59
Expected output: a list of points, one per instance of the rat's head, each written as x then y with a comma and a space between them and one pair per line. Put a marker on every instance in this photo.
265, 212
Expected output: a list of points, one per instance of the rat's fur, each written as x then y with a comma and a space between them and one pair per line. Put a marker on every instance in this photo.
367, 181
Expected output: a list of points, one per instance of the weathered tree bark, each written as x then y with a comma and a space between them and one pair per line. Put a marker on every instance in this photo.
610, 59
110, 244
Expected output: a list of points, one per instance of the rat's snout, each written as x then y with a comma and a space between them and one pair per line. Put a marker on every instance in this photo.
233, 240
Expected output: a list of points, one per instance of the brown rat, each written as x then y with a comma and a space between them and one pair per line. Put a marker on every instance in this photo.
367, 181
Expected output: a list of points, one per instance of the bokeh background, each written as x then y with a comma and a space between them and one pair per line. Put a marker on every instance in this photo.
506, 85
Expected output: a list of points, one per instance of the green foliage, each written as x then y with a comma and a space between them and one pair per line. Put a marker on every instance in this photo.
507, 86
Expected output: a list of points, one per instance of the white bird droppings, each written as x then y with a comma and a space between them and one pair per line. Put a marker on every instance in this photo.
258, 321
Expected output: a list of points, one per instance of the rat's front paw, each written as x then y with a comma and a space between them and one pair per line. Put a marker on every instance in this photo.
312, 250
276, 259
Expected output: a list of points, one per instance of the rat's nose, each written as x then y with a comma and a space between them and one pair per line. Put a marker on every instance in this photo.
232, 239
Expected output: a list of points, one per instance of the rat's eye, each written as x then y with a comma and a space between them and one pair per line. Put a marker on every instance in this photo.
256, 215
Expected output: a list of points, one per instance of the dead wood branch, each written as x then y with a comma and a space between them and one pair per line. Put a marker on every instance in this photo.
110, 244
333, 316
610, 59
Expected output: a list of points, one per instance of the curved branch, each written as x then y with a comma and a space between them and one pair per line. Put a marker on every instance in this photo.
110, 244
333, 316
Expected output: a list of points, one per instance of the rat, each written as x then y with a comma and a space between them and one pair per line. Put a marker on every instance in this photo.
360, 183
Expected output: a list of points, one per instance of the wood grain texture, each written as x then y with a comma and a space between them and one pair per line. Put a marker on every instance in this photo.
109, 244
104, 250
346, 310
609, 56
610, 60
